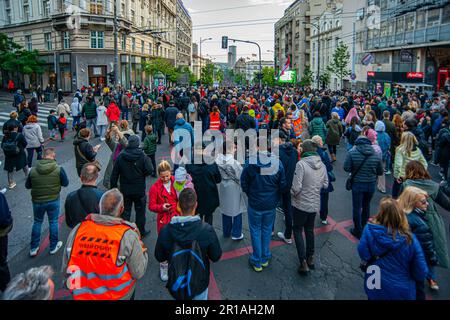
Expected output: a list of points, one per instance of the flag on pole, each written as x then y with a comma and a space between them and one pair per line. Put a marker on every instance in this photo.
285, 67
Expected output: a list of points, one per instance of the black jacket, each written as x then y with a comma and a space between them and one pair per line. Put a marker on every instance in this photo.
184, 234
170, 117
372, 167
6, 219
245, 121
87, 153
205, 178
418, 226
131, 166
80, 203
289, 158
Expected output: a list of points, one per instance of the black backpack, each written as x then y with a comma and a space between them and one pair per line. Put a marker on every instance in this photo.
188, 276
10, 147
232, 115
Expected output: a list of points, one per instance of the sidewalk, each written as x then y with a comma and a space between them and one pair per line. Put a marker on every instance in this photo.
8, 97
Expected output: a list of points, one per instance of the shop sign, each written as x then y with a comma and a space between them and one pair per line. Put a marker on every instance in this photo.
414, 75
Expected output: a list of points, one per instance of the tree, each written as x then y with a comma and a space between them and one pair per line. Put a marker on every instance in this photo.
207, 74
324, 79
268, 76
239, 78
307, 78
220, 76
339, 62
151, 67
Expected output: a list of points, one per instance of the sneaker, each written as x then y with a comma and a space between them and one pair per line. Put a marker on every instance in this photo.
265, 264
310, 262
388, 172
3, 190
12, 185
102, 139
433, 285
58, 246
238, 238
163, 271
381, 191
282, 237
303, 269
324, 222
34, 252
255, 268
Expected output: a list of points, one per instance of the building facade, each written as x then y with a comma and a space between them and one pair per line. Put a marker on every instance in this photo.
232, 56
197, 61
252, 67
76, 39
184, 37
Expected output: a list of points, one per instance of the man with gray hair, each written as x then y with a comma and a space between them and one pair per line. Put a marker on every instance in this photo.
107, 247
34, 284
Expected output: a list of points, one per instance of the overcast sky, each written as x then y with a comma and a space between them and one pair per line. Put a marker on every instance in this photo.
225, 14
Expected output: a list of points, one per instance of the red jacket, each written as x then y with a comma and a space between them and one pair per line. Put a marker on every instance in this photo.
158, 195
113, 112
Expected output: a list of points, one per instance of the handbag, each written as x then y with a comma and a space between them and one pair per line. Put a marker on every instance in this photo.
349, 182
365, 264
95, 162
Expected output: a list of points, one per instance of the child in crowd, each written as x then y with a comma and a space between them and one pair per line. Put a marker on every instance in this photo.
183, 180
52, 123
150, 146
62, 125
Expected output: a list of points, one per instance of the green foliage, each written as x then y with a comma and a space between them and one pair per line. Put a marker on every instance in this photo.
207, 74
268, 76
14, 58
324, 78
220, 76
240, 79
307, 78
339, 62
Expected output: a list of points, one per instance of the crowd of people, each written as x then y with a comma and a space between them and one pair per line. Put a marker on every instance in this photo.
104, 255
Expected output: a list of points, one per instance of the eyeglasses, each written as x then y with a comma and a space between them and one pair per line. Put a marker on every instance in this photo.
424, 201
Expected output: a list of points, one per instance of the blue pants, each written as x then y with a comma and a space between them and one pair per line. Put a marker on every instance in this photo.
232, 226
39, 210
260, 225
92, 123
124, 114
76, 121
362, 194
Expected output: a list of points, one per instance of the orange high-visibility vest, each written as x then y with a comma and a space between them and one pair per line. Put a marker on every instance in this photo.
214, 121
92, 263
298, 126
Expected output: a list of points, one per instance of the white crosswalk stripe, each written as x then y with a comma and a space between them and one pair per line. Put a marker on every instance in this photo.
43, 112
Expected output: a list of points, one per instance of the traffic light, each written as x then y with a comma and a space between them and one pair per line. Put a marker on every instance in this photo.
224, 42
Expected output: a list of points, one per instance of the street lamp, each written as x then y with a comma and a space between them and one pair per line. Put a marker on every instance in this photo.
201, 41
318, 50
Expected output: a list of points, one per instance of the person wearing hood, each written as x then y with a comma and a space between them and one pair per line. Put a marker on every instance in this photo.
263, 183
334, 134
130, 169
384, 142
180, 123
182, 231
113, 112
325, 192
63, 107
231, 198
388, 244
365, 166
182, 181
407, 151
288, 157
84, 151
102, 120
310, 178
45, 181
75, 109
317, 126
33, 135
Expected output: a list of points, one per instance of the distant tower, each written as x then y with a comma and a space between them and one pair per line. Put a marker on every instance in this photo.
232, 56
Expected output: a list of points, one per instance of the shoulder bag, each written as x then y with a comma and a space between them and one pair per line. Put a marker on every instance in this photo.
349, 182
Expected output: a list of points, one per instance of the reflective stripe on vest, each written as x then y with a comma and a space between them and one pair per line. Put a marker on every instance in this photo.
94, 274
214, 121
298, 127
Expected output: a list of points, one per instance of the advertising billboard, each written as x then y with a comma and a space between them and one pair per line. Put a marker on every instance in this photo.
288, 77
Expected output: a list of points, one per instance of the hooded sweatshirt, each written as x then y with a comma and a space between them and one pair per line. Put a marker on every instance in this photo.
178, 135
309, 178
402, 159
75, 107
33, 135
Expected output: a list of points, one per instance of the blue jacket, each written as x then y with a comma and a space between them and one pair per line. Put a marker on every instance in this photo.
327, 162
170, 117
384, 141
5, 214
263, 191
340, 112
400, 269
182, 124
418, 224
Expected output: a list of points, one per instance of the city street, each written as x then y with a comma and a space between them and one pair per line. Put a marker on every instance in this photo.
337, 274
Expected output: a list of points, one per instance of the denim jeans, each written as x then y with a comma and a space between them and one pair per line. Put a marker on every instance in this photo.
30, 153
303, 220
102, 130
260, 225
362, 194
287, 209
232, 226
76, 121
202, 296
324, 197
153, 160
39, 210
139, 206
332, 149
92, 123
124, 115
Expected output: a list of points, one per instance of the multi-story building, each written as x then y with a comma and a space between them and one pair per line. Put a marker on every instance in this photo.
76, 39
239, 66
232, 56
252, 67
411, 44
184, 36
198, 62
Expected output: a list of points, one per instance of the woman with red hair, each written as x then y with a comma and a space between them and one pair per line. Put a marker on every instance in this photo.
33, 135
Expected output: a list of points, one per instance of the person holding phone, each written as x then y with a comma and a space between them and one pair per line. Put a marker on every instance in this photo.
164, 202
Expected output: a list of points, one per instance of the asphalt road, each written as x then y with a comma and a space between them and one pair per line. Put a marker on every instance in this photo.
337, 275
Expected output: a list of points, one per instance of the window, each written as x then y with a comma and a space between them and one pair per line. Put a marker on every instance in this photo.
124, 43
26, 9
150, 49
384, 29
433, 17
96, 7
46, 7
123, 10
142, 46
400, 25
391, 27
97, 39
409, 23
28, 43
420, 20
133, 44
133, 17
446, 14
66, 40
48, 41
8, 11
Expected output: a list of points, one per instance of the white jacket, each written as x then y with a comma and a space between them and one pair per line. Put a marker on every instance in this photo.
33, 135
102, 119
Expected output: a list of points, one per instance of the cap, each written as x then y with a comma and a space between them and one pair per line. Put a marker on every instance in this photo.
180, 174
